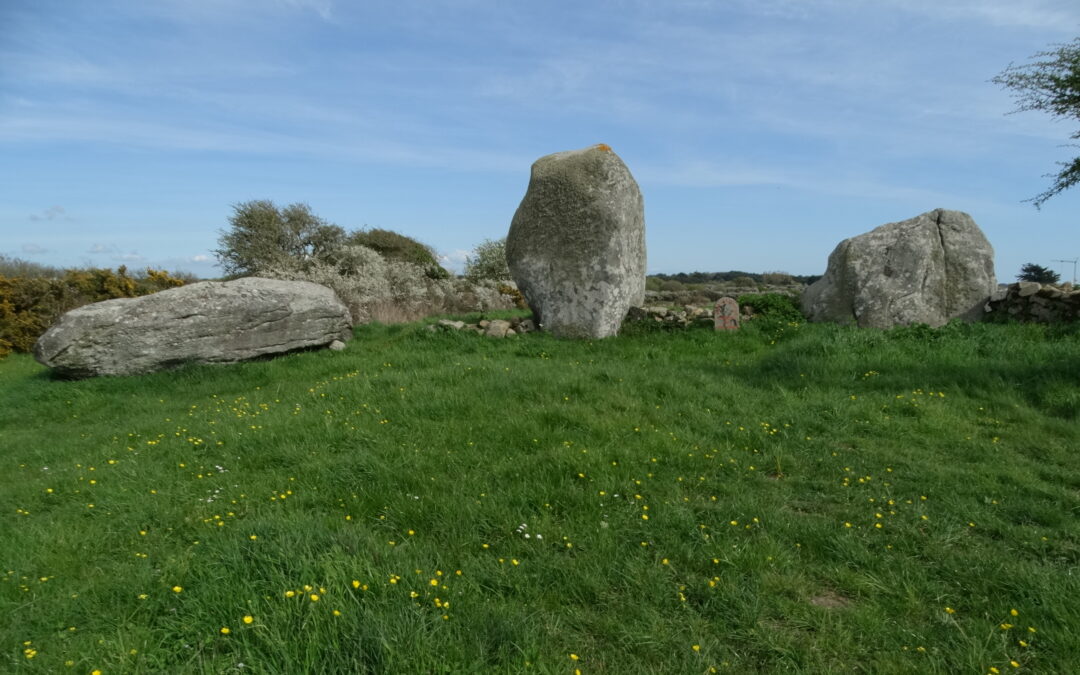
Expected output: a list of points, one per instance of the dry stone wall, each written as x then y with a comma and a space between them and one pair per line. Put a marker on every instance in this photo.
1031, 301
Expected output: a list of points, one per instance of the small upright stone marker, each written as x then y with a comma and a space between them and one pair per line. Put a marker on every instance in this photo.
726, 314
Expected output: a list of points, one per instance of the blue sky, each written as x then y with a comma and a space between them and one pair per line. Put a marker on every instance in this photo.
761, 132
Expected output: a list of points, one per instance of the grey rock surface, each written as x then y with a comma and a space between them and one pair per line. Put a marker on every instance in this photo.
576, 246
497, 328
930, 269
1028, 288
206, 322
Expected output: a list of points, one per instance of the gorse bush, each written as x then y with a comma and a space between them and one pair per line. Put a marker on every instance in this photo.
29, 305
514, 294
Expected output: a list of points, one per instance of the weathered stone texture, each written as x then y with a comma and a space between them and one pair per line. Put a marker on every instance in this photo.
726, 314
929, 269
576, 246
1031, 301
206, 322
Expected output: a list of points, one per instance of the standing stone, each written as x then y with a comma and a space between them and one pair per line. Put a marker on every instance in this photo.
206, 322
929, 269
726, 314
576, 246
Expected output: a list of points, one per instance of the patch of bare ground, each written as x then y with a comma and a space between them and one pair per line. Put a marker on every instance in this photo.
830, 600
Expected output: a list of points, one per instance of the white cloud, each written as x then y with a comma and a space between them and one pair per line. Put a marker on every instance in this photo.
201, 258
34, 249
101, 249
454, 260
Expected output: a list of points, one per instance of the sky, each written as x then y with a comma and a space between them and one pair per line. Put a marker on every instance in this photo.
761, 132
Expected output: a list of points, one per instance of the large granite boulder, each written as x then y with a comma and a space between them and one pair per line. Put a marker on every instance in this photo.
206, 322
576, 246
929, 269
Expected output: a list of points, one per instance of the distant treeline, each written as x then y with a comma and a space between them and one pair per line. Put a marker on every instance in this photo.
716, 277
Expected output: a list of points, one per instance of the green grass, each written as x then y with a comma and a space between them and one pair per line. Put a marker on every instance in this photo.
687, 498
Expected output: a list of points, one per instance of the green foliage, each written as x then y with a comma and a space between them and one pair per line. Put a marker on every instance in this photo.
767, 470
1050, 84
777, 306
262, 235
398, 247
1038, 273
29, 305
488, 262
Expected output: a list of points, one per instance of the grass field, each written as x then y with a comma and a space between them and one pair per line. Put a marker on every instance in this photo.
789, 498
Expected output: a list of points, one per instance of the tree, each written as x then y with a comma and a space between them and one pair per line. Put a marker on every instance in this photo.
1033, 272
1050, 84
260, 234
488, 261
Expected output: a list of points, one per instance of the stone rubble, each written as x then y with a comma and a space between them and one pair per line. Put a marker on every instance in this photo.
1034, 302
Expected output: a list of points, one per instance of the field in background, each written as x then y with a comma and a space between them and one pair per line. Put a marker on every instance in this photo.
789, 498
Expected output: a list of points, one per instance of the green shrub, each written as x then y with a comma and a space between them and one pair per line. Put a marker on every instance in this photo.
772, 305
399, 248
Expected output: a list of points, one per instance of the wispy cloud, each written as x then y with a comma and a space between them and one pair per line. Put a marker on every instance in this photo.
34, 249
52, 213
1049, 15
203, 11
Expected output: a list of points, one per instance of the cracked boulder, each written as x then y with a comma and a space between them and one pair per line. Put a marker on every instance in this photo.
576, 246
930, 269
206, 322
